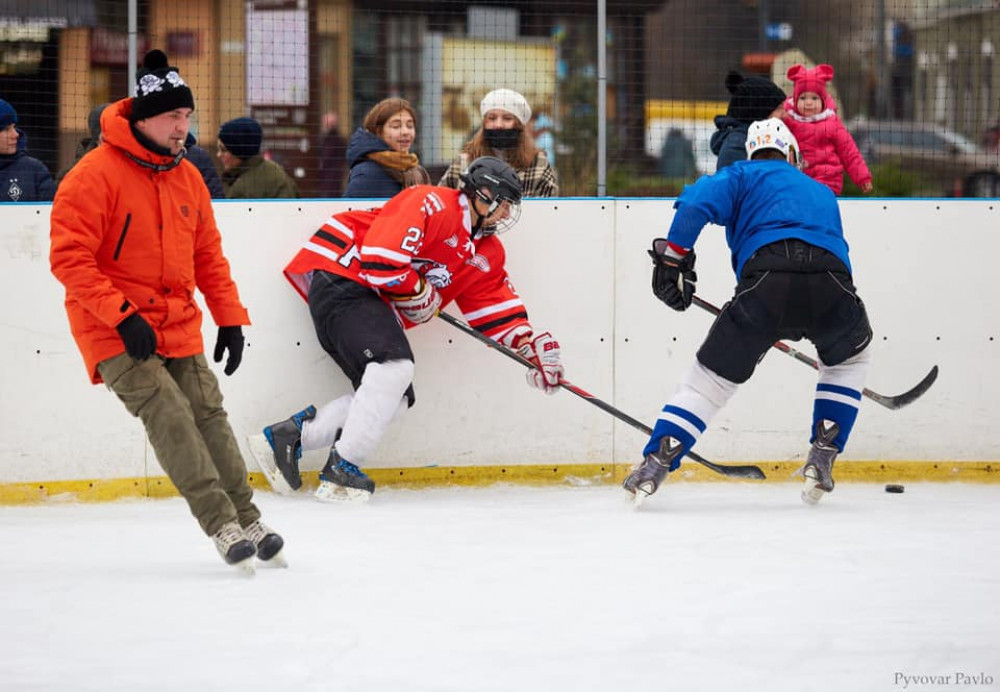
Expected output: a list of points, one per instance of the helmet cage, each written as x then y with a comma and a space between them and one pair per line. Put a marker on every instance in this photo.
493, 182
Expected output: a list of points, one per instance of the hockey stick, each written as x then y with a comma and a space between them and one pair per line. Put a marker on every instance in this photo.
735, 471
890, 402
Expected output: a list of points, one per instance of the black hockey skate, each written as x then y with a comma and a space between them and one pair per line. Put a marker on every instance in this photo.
269, 544
645, 478
340, 480
285, 439
818, 469
234, 546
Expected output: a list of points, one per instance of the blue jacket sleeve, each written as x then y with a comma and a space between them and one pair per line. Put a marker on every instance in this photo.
203, 162
733, 150
46, 185
368, 179
710, 200
213, 182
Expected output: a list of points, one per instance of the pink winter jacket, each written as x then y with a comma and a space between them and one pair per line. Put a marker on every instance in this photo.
827, 147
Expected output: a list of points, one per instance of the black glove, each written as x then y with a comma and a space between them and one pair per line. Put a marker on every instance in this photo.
230, 338
139, 337
673, 279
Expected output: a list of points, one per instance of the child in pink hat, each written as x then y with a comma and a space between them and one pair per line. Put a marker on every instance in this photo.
826, 146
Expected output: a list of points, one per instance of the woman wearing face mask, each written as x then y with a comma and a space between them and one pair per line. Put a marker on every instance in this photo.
503, 135
379, 152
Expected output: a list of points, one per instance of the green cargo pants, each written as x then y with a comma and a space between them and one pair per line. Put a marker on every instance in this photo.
179, 402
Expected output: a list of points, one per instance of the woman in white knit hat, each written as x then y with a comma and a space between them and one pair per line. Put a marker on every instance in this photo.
504, 134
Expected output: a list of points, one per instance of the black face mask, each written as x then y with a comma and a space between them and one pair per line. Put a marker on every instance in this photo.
502, 139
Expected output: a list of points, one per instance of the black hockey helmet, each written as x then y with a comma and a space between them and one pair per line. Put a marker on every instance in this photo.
494, 182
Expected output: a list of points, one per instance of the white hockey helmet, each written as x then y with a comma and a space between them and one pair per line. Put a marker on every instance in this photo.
772, 134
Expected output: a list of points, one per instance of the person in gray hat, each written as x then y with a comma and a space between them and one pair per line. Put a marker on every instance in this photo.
86, 144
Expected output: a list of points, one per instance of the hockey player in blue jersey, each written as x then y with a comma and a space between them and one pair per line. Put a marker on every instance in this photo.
794, 281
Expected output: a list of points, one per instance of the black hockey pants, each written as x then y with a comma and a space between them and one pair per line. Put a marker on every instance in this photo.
788, 290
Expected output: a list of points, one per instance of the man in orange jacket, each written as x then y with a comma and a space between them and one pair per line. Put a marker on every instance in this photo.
133, 236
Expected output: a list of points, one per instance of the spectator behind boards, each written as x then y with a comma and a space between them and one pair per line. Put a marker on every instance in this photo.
332, 158
503, 134
246, 174
133, 235
827, 148
752, 98
202, 160
23, 178
379, 153
91, 141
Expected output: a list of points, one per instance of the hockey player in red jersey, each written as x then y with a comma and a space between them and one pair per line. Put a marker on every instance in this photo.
366, 276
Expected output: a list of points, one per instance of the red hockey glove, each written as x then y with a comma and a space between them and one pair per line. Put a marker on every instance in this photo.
422, 305
543, 352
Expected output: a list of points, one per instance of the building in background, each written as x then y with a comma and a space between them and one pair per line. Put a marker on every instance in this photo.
288, 62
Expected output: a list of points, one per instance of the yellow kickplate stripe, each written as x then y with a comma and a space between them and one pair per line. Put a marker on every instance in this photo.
570, 474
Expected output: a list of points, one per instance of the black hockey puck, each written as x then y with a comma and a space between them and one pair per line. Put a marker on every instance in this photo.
893, 488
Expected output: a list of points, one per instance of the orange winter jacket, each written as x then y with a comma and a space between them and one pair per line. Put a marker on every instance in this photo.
133, 231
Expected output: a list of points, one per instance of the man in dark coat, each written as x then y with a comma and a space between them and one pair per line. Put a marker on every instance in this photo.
22, 178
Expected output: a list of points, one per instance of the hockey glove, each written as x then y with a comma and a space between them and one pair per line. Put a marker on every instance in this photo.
422, 305
230, 338
674, 277
139, 337
543, 352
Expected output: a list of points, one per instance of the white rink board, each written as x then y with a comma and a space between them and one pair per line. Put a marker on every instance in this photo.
924, 267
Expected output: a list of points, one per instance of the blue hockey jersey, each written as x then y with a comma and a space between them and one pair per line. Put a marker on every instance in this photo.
759, 202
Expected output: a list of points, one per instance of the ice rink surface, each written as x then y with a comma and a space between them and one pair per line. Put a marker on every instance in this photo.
710, 586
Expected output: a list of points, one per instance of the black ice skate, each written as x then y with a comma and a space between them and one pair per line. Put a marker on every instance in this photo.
646, 476
340, 480
234, 546
818, 469
269, 544
285, 439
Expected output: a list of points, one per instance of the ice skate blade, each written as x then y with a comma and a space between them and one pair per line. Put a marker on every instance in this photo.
331, 492
641, 493
811, 492
262, 455
276, 562
246, 568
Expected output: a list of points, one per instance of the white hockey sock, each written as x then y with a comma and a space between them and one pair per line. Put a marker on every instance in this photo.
851, 373
321, 431
838, 393
687, 414
376, 403
703, 392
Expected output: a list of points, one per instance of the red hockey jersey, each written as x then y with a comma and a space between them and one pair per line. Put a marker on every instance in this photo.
422, 232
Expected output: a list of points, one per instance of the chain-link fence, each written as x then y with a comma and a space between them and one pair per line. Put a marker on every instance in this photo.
914, 90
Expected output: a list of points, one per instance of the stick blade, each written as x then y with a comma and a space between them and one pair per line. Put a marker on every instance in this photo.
906, 398
747, 471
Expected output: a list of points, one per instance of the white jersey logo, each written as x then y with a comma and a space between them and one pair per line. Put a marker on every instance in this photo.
480, 263
15, 191
432, 204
